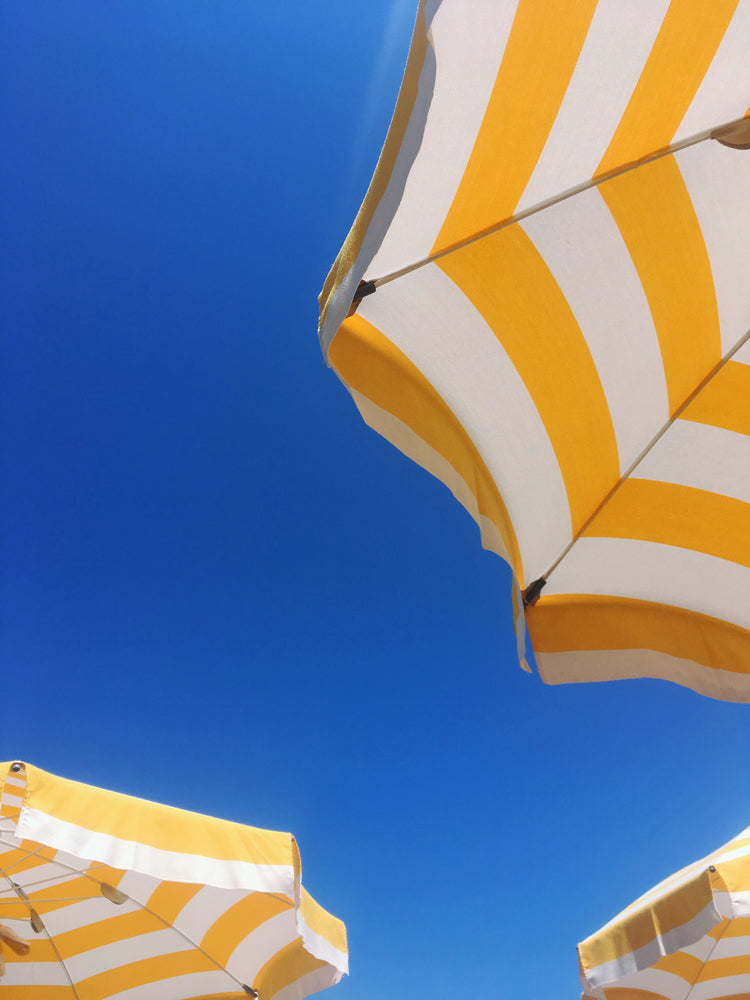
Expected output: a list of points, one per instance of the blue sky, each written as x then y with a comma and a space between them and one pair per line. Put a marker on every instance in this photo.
220, 589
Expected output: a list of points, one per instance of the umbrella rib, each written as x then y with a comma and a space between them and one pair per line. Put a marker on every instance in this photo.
706, 960
27, 855
23, 898
61, 960
629, 471
693, 140
142, 906
166, 923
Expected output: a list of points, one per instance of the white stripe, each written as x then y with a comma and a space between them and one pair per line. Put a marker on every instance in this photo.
139, 887
170, 865
33, 974
431, 320
702, 457
49, 874
20, 926
90, 911
620, 664
312, 982
651, 571
11, 779
726, 986
473, 34
723, 902
664, 984
195, 984
703, 948
403, 437
582, 246
723, 94
15, 801
718, 181
722, 856
111, 956
741, 903
731, 947
617, 46
252, 953
201, 912
321, 947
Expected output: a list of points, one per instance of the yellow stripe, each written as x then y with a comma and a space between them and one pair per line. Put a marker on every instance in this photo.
40, 950
238, 921
169, 899
590, 622
21, 861
508, 281
677, 515
34, 992
687, 42
630, 994
148, 970
655, 216
736, 874
8, 811
54, 897
404, 107
719, 968
641, 928
118, 927
287, 966
724, 401
538, 63
174, 830
368, 362
681, 964
738, 927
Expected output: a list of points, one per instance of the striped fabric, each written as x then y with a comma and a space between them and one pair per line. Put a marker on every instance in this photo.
686, 939
121, 898
557, 241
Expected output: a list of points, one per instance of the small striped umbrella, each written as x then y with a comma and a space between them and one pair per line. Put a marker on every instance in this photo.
106, 896
686, 939
545, 302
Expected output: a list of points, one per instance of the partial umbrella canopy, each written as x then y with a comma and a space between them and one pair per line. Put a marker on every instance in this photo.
104, 895
686, 939
545, 302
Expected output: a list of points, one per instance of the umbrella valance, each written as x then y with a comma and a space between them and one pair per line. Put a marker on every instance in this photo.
688, 938
119, 897
544, 301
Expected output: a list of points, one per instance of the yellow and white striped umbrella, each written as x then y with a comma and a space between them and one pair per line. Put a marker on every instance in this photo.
106, 896
686, 939
551, 285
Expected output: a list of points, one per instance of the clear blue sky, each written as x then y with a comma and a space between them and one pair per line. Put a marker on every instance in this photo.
220, 589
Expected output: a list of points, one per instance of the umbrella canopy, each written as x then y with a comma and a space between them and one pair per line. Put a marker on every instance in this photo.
686, 939
548, 299
107, 896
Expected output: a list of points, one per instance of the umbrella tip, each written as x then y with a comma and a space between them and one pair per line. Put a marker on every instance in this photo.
532, 592
251, 992
736, 136
16, 766
363, 288
113, 895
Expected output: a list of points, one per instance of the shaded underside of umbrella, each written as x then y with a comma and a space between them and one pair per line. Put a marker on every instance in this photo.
118, 897
549, 302
686, 939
